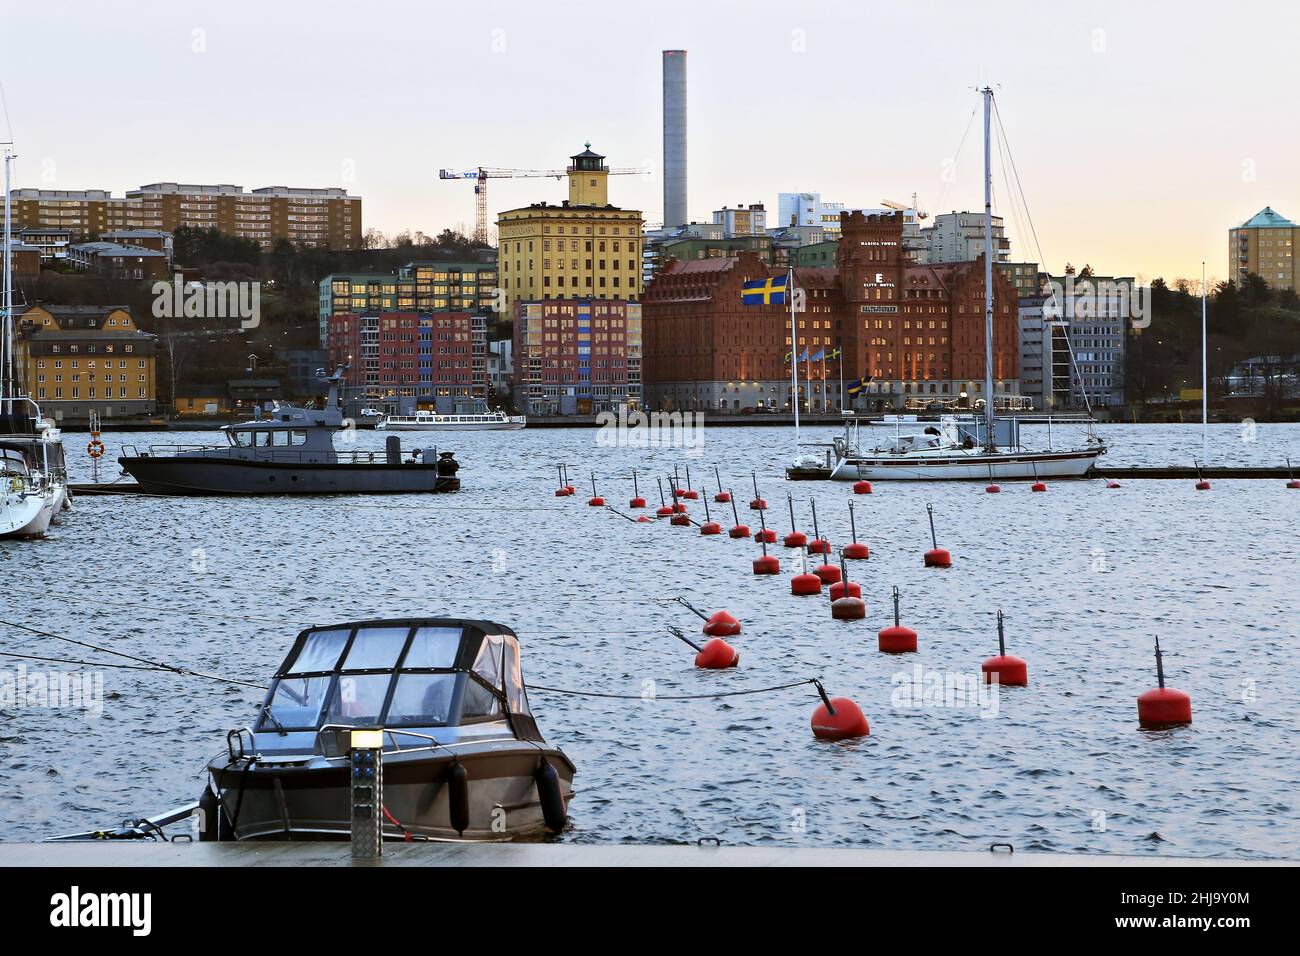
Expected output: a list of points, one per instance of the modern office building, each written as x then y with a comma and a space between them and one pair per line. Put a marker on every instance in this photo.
77, 359
1265, 244
914, 335
577, 356
325, 218
807, 209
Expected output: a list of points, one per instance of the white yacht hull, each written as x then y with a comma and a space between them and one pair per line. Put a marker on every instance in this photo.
25, 516
962, 465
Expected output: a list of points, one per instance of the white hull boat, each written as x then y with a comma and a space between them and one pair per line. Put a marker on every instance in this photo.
25, 514
432, 422
962, 465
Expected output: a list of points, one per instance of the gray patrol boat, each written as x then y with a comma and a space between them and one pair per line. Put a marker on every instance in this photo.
291, 452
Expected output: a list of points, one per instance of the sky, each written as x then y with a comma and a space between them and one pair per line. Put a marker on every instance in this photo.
1141, 131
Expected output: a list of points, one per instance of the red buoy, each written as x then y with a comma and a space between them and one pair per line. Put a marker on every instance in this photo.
795, 539
855, 549
710, 527
595, 501
848, 609
688, 492
896, 639
758, 503
767, 564
803, 583
644, 519
721, 624
1005, 669
1163, 706
936, 557
765, 535
717, 654
1202, 485
1292, 480
862, 487
738, 530
637, 501
829, 573
1293, 483
1112, 483
992, 489
680, 521
844, 589
664, 511
838, 718
561, 492
1038, 486
819, 546
722, 497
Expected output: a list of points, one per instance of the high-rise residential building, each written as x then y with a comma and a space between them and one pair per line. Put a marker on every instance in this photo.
577, 356
421, 286
1073, 338
914, 334
324, 218
75, 359
1265, 244
959, 237
582, 248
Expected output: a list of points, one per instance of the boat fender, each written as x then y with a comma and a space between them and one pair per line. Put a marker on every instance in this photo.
458, 797
548, 794
207, 814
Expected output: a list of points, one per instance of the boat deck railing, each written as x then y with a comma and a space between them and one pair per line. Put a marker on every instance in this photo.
288, 456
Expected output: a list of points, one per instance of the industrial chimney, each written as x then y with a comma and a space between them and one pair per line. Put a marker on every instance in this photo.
675, 139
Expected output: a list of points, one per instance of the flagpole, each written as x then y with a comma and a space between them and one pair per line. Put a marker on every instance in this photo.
794, 357
841, 381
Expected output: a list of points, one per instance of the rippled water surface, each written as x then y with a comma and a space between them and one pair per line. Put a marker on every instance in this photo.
1086, 577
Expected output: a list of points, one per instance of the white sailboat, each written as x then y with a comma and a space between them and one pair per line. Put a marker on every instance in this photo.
965, 447
33, 478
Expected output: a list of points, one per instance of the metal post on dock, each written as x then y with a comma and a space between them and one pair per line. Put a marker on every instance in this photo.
366, 760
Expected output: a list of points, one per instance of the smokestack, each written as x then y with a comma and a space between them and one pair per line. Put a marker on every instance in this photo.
675, 139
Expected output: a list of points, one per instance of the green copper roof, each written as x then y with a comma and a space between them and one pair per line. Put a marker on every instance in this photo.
1266, 218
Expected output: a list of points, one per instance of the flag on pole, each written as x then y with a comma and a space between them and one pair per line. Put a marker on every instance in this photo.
764, 291
855, 387
819, 356
835, 353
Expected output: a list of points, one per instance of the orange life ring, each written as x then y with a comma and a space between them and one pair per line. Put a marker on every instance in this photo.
95, 449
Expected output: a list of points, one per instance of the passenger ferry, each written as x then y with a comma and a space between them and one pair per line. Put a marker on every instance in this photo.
423, 421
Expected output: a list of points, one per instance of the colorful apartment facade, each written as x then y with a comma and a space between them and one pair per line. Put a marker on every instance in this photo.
577, 356
406, 359
77, 359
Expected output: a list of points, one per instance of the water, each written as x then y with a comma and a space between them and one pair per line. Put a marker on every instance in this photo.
1086, 577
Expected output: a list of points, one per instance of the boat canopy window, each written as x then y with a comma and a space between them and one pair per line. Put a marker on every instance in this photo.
14, 462
396, 676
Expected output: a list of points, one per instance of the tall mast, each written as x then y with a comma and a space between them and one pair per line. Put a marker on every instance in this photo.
1205, 366
794, 357
989, 442
8, 384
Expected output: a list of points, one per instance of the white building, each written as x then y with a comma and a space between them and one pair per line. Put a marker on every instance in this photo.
959, 237
748, 220
500, 368
807, 209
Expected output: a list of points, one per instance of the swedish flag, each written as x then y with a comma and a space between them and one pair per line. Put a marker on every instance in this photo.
764, 291
855, 386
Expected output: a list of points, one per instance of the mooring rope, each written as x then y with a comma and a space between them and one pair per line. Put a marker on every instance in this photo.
730, 693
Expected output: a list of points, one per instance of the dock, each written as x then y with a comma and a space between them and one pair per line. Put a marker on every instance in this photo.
1176, 472
148, 853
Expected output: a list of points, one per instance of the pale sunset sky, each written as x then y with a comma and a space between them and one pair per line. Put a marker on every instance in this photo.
1141, 131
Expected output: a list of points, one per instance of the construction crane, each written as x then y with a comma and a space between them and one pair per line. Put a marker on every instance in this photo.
484, 173
890, 204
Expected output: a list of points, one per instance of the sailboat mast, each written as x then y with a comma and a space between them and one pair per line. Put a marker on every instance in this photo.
989, 442
794, 356
8, 382
1205, 366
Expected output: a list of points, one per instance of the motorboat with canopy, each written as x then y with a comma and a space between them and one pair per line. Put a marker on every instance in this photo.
463, 758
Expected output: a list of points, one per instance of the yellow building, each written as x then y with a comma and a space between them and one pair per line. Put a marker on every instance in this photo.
583, 248
75, 359
1265, 244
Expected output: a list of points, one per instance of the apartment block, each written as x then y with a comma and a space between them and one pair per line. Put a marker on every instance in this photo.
325, 218
1265, 244
577, 356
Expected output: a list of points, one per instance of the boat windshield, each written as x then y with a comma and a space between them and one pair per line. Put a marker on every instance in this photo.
421, 675
13, 462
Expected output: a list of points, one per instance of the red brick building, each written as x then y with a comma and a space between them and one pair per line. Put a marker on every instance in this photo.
405, 360
914, 333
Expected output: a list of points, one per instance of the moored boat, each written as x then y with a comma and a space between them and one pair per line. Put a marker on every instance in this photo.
425, 421
289, 453
462, 757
